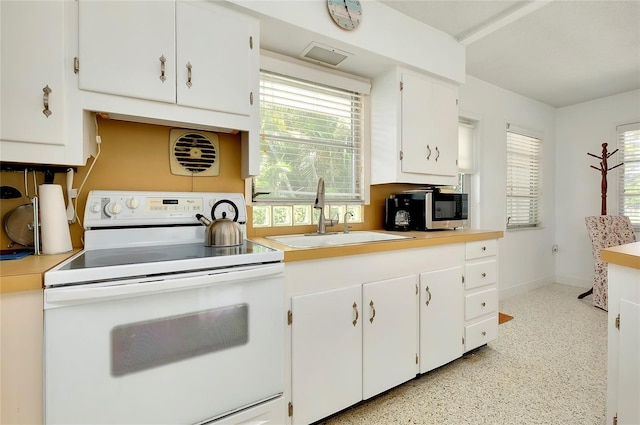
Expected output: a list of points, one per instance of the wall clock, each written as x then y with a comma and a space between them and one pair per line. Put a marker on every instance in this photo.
346, 13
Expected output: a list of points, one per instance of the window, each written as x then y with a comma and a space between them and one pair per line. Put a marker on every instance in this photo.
523, 179
309, 129
629, 172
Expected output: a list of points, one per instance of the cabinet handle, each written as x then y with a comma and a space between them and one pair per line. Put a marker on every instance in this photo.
484, 248
484, 304
162, 62
355, 307
429, 294
437, 153
428, 152
189, 74
374, 312
484, 275
45, 101
484, 333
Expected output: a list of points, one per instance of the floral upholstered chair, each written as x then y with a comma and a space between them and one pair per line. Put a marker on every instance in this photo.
606, 231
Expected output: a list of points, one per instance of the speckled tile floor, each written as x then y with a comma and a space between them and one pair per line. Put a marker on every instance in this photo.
548, 366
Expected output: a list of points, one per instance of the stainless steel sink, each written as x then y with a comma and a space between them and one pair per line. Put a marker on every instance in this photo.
334, 239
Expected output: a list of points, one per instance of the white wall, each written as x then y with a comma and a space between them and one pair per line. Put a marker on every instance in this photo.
584, 128
526, 260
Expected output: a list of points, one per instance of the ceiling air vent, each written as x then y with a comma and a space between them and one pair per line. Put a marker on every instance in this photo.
194, 153
324, 55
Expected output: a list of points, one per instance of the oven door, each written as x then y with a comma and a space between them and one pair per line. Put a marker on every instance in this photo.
183, 349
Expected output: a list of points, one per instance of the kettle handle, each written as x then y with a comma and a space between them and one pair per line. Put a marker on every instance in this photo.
225, 201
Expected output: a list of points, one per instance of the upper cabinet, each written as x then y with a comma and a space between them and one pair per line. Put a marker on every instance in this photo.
195, 54
36, 69
414, 129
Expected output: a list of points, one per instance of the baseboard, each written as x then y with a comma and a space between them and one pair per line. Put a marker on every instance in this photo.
525, 287
574, 281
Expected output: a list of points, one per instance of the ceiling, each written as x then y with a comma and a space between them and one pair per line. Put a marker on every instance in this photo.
560, 52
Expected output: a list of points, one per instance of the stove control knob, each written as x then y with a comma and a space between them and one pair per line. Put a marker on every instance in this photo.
133, 203
113, 208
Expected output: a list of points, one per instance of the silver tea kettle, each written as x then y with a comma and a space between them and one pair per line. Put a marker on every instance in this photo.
222, 231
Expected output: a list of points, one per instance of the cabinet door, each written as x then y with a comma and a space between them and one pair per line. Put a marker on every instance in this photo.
217, 44
390, 326
441, 317
122, 45
628, 365
32, 59
417, 149
444, 129
326, 353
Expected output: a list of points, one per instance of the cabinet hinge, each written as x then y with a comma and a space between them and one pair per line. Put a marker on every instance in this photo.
416, 358
401, 85
290, 409
462, 340
251, 98
76, 65
457, 102
289, 317
615, 419
401, 155
417, 290
463, 279
618, 321
251, 42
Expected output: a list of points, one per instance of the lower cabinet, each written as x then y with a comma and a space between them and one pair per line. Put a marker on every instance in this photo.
350, 344
360, 325
441, 317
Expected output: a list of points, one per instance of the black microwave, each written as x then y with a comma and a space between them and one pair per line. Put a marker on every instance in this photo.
432, 209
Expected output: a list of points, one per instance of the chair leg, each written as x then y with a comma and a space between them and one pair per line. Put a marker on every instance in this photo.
589, 292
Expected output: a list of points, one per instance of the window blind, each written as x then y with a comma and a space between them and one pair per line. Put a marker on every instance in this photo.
629, 172
523, 179
308, 130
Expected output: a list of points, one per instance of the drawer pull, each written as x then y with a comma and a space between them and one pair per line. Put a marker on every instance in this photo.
355, 307
484, 248
429, 294
484, 304
374, 312
484, 275
484, 333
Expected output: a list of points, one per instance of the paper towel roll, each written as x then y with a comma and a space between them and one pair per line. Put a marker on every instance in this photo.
54, 228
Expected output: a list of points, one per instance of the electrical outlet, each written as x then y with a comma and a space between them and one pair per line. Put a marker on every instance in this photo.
554, 248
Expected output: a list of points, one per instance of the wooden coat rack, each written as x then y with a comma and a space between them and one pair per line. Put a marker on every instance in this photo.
604, 168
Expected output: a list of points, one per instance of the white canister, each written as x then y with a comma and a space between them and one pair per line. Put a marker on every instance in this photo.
54, 228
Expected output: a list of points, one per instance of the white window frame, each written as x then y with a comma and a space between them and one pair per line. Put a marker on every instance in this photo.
524, 178
284, 65
629, 173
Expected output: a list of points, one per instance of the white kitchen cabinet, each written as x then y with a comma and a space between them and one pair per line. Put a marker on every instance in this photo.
21, 337
623, 371
36, 73
192, 53
414, 129
350, 344
480, 294
326, 355
389, 334
441, 317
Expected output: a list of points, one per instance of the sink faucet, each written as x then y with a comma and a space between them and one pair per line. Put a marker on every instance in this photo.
346, 217
319, 205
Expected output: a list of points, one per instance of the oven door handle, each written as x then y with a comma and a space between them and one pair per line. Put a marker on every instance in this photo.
66, 296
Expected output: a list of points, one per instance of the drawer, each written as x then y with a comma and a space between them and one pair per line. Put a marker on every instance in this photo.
481, 303
480, 333
480, 274
480, 249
